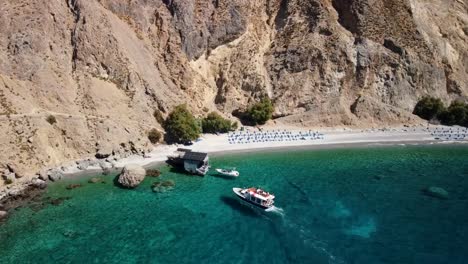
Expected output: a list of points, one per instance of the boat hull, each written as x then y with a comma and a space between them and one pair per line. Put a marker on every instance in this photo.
238, 193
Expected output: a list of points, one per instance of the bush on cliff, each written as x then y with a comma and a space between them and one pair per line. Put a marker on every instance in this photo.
260, 112
158, 116
429, 108
51, 119
181, 126
215, 123
154, 136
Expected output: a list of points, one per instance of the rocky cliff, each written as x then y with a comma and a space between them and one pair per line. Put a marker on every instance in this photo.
101, 67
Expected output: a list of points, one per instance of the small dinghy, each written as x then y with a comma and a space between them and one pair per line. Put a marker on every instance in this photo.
228, 172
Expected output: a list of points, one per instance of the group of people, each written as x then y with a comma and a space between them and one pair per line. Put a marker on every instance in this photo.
244, 137
452, 133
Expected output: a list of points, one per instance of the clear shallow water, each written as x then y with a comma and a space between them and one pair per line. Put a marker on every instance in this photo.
334, 210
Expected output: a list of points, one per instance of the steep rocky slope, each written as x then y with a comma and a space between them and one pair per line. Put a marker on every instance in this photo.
101, 67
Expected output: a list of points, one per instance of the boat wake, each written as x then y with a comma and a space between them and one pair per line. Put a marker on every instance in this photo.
276, 210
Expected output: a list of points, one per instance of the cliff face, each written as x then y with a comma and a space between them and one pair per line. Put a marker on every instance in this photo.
101, 67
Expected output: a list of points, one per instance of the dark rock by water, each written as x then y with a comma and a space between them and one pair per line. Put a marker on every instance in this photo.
73, 186
58, 201
153, 173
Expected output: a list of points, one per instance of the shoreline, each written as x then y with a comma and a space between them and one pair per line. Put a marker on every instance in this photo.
218, 145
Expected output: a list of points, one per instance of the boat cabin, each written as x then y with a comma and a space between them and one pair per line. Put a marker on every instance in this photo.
259, 196
191, 161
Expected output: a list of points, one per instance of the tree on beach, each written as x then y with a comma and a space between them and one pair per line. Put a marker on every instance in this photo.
215, 123
181, 126
260, 112
455, 114
429, 108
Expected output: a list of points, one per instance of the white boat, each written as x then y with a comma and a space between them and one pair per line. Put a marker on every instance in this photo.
255, 196
228, 172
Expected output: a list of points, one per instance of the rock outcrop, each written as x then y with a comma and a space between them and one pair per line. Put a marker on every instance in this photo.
3, 215
101, 68
131, 176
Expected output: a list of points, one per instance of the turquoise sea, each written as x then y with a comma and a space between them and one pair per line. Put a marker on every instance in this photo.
357, 205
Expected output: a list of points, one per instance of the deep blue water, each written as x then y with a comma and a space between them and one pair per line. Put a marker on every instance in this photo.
360, 205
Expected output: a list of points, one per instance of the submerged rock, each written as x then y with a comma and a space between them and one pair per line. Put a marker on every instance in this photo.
153, 173
379, 177
436, 192
163, 186
59, 201
73, 186
132, 175
95, 180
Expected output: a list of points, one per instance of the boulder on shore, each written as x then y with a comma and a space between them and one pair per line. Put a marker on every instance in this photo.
38, 183
55, 175
436, 192
3, 214
132, 175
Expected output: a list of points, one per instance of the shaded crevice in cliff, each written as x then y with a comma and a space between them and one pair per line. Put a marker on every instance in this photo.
281, 18
346, 15
74, 8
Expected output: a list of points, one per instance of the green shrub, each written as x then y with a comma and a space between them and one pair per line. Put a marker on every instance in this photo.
181, 126
8, 181
154, 136
51, 119
215, 123
455, 114
260, 112
158, 116
429, 108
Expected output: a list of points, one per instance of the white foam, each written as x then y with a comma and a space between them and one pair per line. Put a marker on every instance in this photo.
276, 210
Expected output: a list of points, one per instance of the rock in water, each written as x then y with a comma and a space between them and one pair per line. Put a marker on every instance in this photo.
3, 215
73, 186
153, 173
95, 180
437, 192
38, 183
132, 175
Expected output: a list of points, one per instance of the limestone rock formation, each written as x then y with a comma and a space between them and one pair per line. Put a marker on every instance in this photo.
101, 67
3, 215
132, 175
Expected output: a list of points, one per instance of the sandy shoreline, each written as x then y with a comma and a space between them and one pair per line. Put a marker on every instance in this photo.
217, 145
